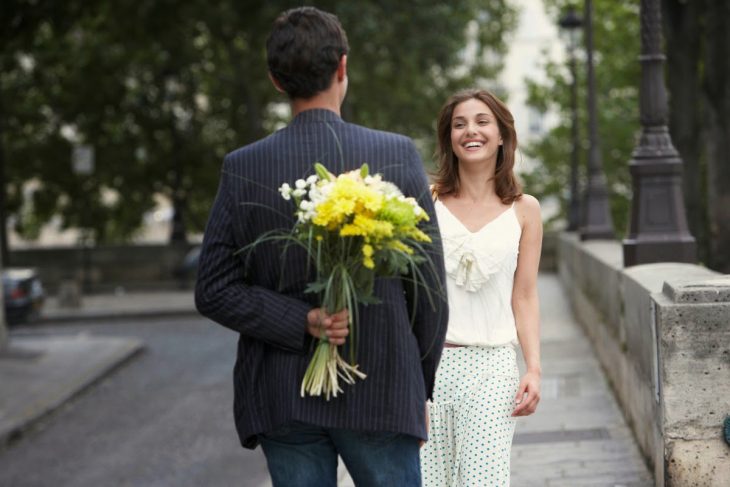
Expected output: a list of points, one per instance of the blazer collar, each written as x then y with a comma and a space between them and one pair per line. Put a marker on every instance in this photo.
315, 115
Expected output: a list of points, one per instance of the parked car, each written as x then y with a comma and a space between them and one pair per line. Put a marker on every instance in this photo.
23, 294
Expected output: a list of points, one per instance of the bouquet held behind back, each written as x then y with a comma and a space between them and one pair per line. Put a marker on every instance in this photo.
354, 227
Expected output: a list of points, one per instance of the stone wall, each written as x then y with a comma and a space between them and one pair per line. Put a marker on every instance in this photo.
662, 334
136, 267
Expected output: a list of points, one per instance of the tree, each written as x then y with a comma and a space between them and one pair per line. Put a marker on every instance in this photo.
164, 89
698, 81
616, 51
698, 78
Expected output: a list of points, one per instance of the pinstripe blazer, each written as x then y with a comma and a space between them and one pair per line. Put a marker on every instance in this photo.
261, 295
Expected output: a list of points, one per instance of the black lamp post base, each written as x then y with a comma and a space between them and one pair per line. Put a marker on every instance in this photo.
646, 251
597, 232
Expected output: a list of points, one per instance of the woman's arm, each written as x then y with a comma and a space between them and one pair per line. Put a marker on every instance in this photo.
526, 305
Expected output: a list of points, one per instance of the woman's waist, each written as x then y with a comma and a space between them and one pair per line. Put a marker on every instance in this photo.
481, 337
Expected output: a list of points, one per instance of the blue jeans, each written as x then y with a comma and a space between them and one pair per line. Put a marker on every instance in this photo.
304, 455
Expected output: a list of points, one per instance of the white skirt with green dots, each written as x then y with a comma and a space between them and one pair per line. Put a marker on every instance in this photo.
472, 426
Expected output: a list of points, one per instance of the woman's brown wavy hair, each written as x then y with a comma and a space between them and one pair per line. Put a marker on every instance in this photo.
446, 178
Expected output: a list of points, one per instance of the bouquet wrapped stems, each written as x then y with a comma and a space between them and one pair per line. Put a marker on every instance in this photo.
327, 365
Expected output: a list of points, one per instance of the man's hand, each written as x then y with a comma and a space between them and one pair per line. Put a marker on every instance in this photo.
334, 326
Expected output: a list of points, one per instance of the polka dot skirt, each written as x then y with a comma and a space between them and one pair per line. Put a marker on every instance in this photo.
471, 424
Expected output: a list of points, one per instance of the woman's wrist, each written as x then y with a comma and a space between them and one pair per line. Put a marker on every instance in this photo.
536, 370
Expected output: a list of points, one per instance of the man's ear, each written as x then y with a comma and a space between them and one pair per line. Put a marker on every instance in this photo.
342, 68
276, 83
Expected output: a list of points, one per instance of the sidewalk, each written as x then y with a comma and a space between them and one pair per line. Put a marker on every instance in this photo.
124, 305
578, 436
39, 373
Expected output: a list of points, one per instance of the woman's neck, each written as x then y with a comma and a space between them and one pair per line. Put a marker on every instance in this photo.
476, 185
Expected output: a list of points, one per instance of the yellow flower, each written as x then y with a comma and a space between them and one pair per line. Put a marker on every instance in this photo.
367, 260
398, 245
418, 235
332, 212
367, 227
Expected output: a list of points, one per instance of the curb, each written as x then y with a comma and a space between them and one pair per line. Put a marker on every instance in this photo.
46, 405
85, 316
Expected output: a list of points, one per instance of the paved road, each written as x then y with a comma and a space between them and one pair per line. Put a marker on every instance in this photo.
164, 419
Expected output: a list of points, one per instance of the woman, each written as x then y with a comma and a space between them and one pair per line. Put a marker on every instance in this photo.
492, 236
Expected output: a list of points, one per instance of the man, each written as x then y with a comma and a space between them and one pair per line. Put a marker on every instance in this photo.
376, 424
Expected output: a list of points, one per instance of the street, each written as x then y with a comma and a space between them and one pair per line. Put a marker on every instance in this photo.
163, 419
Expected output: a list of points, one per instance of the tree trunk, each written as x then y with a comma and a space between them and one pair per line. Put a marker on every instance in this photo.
178, 229
682, 29
717, 121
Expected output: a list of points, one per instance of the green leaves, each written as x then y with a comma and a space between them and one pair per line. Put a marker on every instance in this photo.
322, 172
164, 90
616, 39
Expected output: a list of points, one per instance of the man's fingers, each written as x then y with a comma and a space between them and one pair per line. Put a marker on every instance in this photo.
342, 315
337, 332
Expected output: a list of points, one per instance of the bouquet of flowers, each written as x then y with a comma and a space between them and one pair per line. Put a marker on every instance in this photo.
354, 227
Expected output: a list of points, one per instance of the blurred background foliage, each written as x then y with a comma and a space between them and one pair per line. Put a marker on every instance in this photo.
698, 81
616, 53
163, 89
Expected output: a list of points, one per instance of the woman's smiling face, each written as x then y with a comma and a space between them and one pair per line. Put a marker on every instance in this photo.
475, 133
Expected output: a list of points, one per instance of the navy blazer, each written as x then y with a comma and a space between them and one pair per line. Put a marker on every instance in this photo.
261, 294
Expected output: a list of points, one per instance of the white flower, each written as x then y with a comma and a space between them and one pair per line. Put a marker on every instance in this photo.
285, 191
299, 192
315, 195
312, 179
300, 184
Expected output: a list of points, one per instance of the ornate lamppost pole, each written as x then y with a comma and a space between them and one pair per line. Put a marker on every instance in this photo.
571, 23
658, 230
596, 221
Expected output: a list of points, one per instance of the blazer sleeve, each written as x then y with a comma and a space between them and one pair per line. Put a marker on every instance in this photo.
428, 303
222, 295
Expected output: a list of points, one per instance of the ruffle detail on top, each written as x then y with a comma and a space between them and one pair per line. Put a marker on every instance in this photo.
470, 266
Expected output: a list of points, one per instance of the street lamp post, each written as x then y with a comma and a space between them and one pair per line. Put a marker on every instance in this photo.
571, 23
658, 230
82, 158
596, 221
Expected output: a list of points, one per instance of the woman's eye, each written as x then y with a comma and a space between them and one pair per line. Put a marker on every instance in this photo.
458, 125
483, 122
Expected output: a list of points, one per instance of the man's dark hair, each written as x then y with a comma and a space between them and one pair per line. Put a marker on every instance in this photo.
304, 49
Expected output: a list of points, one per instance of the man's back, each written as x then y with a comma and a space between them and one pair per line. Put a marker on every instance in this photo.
273, 352
256, 287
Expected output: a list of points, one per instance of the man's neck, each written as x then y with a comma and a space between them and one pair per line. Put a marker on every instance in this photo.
324, 100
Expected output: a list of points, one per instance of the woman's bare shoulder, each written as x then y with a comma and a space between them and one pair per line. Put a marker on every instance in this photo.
527, 205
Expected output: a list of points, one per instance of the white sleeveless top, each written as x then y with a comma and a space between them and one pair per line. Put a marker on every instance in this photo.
480, 274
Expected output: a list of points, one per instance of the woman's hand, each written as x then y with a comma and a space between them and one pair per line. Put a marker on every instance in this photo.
528, 395
334, 327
